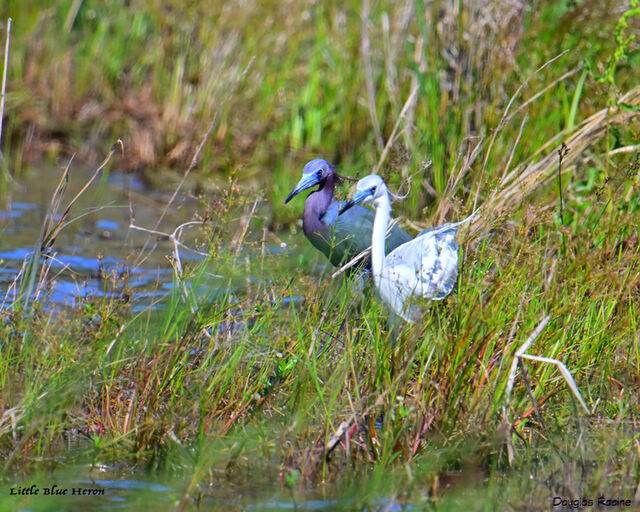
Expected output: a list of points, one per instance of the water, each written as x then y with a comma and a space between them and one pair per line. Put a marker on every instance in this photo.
104, 489
96, 255
91, 489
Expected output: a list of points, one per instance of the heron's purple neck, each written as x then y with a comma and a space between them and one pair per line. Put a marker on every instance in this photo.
316, 206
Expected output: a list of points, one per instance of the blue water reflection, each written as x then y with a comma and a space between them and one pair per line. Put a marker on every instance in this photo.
94, 254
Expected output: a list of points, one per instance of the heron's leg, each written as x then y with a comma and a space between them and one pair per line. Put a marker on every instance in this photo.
395, 328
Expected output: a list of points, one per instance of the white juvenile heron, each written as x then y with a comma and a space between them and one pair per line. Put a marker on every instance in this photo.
339, 238
425, 267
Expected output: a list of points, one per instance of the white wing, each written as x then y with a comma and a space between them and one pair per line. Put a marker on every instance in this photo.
425, 267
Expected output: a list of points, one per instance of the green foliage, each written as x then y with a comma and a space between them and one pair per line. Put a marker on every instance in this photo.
622, 43
257, 358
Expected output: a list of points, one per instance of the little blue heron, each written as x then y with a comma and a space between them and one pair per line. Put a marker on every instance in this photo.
339, 237
425, 267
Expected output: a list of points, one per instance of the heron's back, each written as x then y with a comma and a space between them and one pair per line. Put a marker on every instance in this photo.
345, 236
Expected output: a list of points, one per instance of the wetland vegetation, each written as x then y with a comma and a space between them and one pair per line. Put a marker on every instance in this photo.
255, 379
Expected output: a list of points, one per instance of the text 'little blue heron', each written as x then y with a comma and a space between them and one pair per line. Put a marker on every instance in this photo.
425, 267
339, 237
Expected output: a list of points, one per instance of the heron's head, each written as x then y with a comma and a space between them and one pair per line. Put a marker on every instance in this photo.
368, 190
314, 173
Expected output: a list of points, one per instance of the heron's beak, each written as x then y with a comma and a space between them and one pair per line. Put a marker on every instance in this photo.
358, 197
307, 181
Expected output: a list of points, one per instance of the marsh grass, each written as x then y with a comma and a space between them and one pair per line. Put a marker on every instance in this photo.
257, 362
275, 379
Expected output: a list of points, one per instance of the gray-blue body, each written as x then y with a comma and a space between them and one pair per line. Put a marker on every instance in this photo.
339, 237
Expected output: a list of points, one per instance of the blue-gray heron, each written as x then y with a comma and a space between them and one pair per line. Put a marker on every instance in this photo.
339, 237
425, 267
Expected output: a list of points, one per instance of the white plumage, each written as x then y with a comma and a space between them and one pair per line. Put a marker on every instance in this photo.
425, 267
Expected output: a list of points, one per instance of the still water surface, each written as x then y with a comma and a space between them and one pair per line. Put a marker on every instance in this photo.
98, 244
100, 488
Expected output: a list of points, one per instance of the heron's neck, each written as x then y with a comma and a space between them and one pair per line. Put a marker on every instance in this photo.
316, 206
378, 236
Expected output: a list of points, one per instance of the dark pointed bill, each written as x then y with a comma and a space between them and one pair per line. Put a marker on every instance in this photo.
307, 181
358, 197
